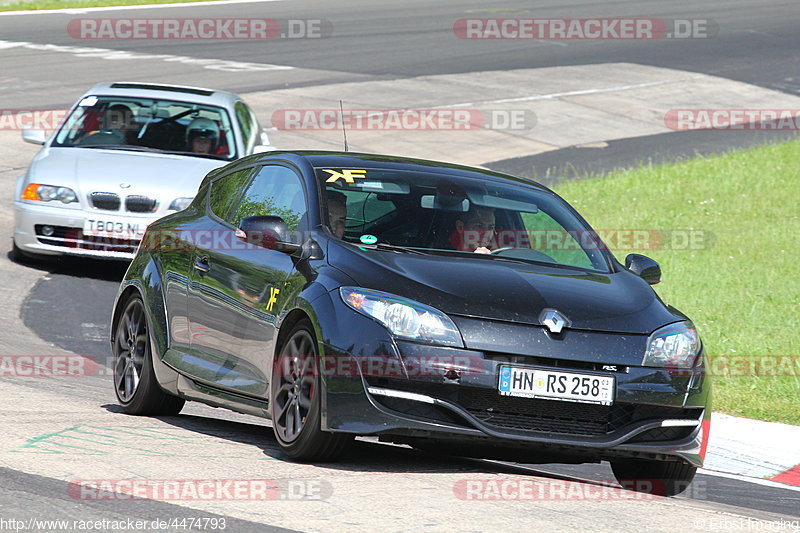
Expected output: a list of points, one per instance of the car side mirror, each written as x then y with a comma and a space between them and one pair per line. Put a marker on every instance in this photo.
34, 136
644, 267
263, 145
269, 232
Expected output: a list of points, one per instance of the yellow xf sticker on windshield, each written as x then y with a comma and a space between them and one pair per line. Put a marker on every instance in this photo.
347, 174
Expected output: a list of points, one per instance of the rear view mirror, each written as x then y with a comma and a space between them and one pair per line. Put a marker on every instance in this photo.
644, 267
153, 112
444, 203
34, 136
269, 232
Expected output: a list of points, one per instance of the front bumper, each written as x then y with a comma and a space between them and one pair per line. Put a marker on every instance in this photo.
656, 414
68, 237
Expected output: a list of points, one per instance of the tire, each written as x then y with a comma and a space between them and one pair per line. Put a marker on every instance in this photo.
296, 404
135, 384
660, 478
20, 256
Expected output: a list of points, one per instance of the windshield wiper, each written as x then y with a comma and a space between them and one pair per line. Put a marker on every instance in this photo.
393, 248
119, 147
197, 154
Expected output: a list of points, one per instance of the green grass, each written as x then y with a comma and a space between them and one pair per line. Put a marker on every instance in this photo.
64, 4
742, 288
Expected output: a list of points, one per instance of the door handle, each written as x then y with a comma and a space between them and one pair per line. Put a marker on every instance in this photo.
201, 265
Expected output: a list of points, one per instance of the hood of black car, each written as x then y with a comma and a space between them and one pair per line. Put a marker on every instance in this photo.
510, 291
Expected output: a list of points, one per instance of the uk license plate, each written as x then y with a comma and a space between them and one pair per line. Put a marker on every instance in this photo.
121, 228
565, 386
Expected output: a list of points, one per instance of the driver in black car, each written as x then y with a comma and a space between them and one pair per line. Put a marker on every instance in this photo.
337, 212
475, 232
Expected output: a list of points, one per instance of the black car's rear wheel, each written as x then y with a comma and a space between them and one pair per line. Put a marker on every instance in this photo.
135, 383
296, 401
661, 478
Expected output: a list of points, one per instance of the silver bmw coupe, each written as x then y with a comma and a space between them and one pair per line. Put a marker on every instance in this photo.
126, 155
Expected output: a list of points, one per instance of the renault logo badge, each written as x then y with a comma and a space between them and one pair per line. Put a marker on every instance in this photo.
553, 320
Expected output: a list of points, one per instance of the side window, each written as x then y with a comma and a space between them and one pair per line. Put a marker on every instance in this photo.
226, 191
275, 191
245, 118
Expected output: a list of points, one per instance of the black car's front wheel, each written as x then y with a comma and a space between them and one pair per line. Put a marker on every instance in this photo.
660, 478
296, 401
135, 383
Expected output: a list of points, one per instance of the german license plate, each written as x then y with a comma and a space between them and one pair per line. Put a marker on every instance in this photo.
565, 386
122, 228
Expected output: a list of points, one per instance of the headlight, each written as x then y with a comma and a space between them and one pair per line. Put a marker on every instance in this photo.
405, 318
179, 204
49, 193
673, 346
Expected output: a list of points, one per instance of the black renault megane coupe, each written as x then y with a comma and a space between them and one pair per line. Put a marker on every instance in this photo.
450, 308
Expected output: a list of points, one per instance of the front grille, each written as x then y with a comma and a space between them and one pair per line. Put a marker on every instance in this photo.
108, 201
554, 416
140, 204
550, 416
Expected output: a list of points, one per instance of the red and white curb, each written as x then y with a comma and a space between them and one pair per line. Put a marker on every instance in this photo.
754, 448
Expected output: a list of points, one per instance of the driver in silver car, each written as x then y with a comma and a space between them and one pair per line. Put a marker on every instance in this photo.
117, 126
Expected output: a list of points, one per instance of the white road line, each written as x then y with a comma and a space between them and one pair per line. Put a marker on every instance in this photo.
107, 53
79, 10
575, 93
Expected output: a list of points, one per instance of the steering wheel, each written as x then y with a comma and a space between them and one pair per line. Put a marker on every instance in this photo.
501, 249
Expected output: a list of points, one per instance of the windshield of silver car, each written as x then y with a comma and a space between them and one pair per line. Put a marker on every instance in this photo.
144, 124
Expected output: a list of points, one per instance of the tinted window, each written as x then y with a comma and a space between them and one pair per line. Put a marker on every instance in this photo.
226, 191
447, 212
275, 191
365, 209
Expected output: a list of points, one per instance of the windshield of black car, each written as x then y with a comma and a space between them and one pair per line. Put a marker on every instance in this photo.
159, 125
450, 213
